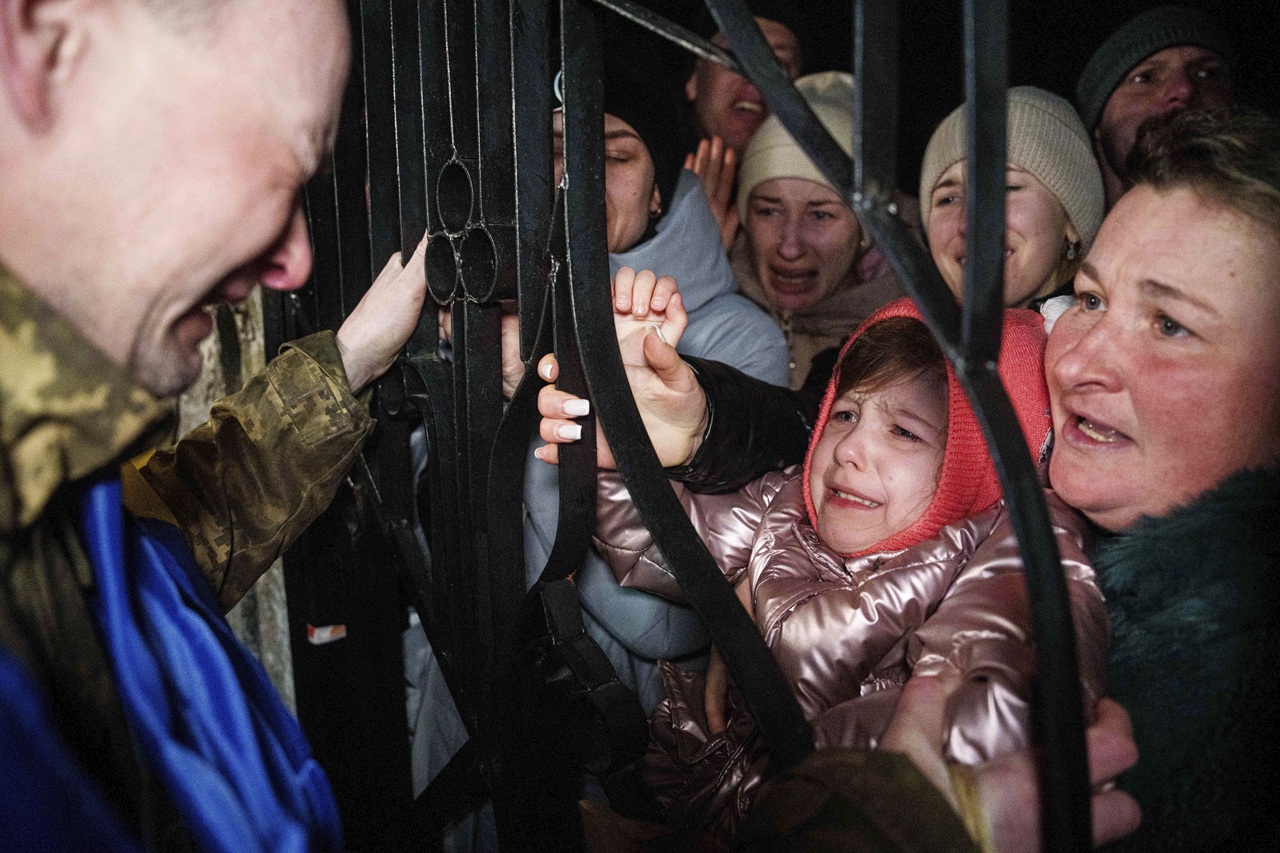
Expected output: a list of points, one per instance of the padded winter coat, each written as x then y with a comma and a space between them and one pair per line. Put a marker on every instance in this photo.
847, 633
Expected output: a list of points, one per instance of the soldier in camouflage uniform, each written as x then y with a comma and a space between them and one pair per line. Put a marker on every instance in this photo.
151, 153
67, 413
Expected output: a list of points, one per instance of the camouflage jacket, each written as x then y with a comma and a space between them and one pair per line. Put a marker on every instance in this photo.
243, 486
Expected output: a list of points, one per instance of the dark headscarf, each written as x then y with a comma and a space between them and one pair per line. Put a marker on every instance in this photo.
638, 102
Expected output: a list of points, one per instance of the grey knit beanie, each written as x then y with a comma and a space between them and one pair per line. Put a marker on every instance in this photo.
774, 153
1046, 139
1148, 33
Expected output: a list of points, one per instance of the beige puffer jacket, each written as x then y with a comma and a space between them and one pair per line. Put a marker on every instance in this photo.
848, 633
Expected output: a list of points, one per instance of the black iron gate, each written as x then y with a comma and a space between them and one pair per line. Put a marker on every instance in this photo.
446, 129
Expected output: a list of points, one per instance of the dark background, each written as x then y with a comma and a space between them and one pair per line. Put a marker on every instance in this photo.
1048, 46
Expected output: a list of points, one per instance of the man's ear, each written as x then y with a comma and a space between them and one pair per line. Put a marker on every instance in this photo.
35, 39
690, 86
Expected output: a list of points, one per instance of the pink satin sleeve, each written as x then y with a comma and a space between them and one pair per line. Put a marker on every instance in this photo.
981, 628
726, 523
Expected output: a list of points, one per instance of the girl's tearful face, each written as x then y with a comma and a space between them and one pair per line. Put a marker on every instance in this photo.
876, 466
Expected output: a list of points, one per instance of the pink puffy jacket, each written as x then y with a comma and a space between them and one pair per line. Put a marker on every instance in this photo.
848, 632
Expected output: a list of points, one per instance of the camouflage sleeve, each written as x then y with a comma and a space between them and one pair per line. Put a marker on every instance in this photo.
844, 799
246, 483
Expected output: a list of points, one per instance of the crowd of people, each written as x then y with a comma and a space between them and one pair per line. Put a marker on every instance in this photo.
1159, 506
151, 156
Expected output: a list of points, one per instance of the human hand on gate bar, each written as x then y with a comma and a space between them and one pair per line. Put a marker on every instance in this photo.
1000, 800
649, 317
512, 364
380, 325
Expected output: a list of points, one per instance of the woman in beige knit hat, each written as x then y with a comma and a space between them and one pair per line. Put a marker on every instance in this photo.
802, 255
1054, 202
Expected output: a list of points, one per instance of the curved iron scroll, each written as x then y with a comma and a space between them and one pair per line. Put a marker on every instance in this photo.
970, 337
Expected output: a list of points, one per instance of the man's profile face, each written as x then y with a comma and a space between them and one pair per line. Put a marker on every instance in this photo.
727, 105
1166, 82
214, 130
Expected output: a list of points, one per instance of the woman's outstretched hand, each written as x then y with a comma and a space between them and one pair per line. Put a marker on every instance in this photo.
649, 319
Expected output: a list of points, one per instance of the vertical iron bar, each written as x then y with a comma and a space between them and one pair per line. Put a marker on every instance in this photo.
349, 176
321, 202
411, 177
437, 117
380, 137
483, 409
875, 100
985, 52
463, 606
496, 157
406, 35
532, 103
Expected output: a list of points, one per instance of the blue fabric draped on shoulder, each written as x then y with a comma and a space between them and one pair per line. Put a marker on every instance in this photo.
200, 706
47, 801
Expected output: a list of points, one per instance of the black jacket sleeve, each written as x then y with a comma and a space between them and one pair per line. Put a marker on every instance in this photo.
752, 427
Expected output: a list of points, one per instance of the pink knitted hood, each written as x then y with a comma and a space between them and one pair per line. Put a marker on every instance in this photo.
968, 481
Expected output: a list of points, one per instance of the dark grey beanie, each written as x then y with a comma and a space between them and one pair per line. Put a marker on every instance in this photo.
1148, 33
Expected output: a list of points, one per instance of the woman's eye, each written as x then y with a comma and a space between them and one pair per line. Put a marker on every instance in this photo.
823, 215
1171, 328
844, 416
905, 433
946, 200
1089, 302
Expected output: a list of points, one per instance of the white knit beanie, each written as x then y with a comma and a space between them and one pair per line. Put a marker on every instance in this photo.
1047, 139
773, 153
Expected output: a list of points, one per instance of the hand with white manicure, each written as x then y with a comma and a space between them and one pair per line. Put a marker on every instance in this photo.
650, 319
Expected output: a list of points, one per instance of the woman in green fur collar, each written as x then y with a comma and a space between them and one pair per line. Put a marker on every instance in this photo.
1165, 382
